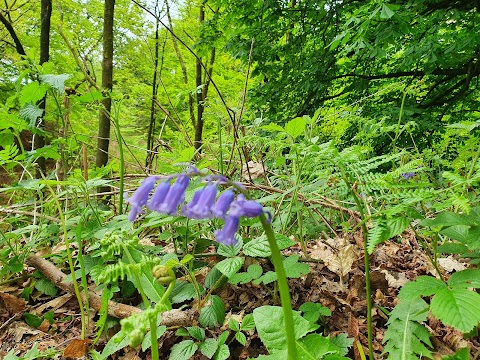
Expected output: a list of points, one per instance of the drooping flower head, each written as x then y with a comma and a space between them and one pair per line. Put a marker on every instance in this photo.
159, 196
175, 196
201, 204
140, 197
223, 203
227, 234
408, 175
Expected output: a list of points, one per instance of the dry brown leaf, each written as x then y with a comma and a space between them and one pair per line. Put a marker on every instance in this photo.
76, 349
53, 304
450, 264
12, 304
255, 169
337, 254
395, 279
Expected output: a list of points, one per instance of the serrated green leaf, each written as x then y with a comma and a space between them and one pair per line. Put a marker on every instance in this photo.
233, 325
32, 320
270, 324
459, 308
469, 278
230, 266
213, 313
422, 286
240, 278
259, 247
386, 12
255, 271
405, 336
295, 127
183, 350
147, 340
312, 311
209, 347
212, 278
462, 354
56, 81
196, 332
183, 291
241, 338
31, 113
247, 323
46, 287
229, 251
448, 219
33, 93
272, 127
223, 353
116, 343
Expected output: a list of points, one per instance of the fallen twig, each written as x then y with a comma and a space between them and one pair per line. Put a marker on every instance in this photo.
170, 318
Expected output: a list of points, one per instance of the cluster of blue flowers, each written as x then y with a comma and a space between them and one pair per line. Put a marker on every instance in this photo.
167, 198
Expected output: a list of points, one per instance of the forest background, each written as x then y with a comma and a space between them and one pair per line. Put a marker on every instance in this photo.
355, 123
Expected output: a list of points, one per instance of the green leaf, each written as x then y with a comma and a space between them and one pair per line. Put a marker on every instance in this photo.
312, 311
294, 269
422, 286
183, 291
272, 127
46, 287
447, 219
240, 278
386, 12
469, 278
230, 266
462, 354
229, 251
295, 127
33, 93
196, 332
247, 323
223, 352
91, 96
213, 313
255, 271
270, 324
233, 325
259, 247
32, 320
241, 338
405, 336
116, 343
209, 347
57, 82
459, 308
184, 350
31, 113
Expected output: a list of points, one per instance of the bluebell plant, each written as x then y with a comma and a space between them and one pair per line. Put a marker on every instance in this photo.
167, 198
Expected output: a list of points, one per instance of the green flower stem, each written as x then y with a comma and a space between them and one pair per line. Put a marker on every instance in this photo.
367, 271
122, 158
69, 254
283, 287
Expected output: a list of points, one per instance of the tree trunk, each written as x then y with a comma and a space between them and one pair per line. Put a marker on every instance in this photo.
39, 140
107, 82
153, 113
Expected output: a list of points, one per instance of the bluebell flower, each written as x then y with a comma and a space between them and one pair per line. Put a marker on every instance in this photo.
140, 197
159, 196
227, 234
246, 208
408, 175
223, 203
200, 206
175, 196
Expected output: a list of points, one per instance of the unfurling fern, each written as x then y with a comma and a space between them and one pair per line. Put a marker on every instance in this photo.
406, 337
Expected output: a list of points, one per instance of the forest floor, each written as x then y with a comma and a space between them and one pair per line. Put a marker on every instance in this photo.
336, 280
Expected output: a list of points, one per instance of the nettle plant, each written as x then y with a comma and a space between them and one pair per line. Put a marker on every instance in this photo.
290, 336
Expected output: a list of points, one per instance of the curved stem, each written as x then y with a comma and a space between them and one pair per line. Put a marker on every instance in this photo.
283, 287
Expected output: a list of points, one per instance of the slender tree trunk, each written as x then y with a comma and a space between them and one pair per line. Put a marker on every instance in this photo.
107, 83
200, 93
191, 106
153, 113
39, 140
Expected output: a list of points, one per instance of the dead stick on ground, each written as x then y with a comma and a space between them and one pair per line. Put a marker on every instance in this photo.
170, 318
